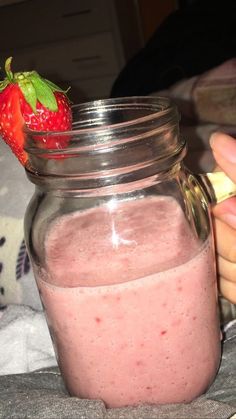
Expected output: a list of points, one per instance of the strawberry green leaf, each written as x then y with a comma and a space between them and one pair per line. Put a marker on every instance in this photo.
54, 87
44, 93
29, 93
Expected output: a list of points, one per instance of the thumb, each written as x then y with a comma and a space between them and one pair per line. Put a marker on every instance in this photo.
224, 151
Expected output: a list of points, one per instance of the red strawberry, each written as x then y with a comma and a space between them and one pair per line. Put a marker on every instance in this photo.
28, 99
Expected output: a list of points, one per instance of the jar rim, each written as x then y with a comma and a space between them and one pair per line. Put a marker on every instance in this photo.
113, 138
158, 106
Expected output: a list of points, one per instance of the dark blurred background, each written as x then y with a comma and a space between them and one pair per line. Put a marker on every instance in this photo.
116, 47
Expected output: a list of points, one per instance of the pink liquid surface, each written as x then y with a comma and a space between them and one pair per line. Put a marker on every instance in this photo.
130, 298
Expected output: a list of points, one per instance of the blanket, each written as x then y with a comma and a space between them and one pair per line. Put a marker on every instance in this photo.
31, 385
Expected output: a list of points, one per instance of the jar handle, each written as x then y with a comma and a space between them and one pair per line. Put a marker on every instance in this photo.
218, 186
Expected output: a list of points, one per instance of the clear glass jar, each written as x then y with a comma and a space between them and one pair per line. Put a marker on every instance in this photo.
119, 235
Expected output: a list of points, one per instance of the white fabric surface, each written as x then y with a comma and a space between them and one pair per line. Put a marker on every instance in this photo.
25, 341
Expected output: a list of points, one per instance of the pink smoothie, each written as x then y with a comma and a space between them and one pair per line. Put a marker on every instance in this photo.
130, 299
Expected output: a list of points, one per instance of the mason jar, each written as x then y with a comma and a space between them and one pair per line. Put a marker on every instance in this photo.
120, 240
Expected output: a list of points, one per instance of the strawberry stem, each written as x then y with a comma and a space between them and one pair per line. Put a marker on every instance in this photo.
8, 69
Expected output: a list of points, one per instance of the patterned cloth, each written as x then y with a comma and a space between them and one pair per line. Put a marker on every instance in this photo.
17, 285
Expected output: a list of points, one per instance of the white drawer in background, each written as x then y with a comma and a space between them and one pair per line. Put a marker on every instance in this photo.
75, 59
46, 21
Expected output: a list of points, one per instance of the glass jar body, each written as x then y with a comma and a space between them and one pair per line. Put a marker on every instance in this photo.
128, 285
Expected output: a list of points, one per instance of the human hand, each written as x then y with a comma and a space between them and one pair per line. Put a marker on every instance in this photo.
224, 220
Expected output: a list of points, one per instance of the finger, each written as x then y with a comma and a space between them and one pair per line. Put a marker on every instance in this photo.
224, 151
227, 289
227, 269
226, 211
225, 239
224, 144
